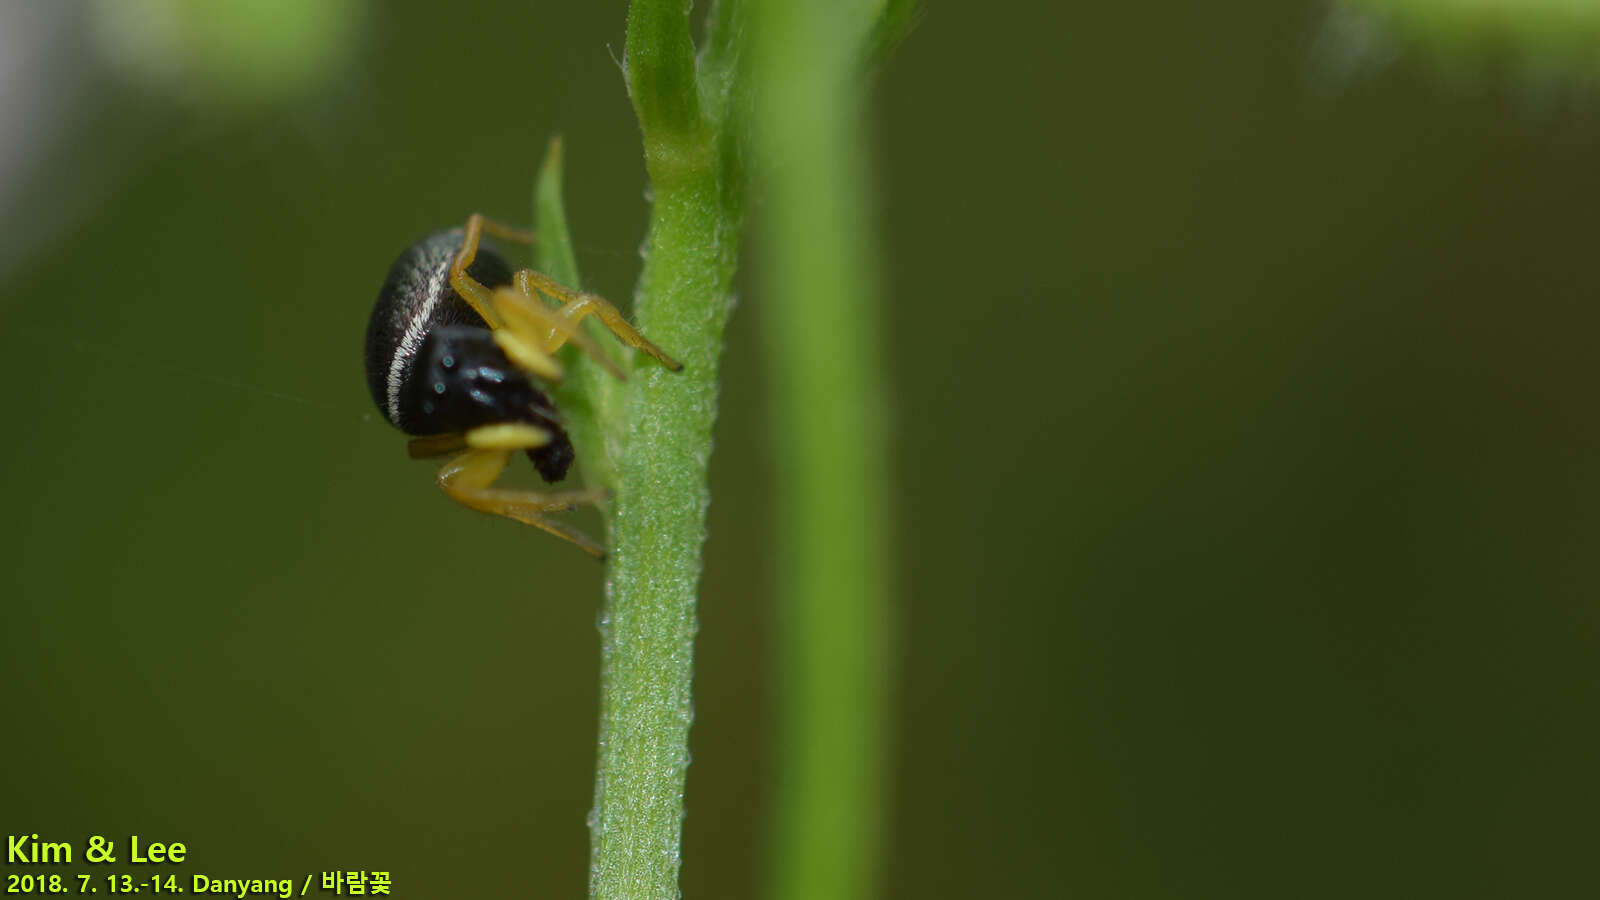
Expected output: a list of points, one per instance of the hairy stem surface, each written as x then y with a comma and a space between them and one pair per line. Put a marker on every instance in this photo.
657, 431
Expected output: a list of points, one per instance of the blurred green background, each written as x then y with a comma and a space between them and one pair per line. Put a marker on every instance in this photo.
1245, 438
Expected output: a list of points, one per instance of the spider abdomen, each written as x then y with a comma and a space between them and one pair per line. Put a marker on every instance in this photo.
416, 297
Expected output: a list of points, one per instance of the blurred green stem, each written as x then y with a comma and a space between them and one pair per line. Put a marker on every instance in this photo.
824, 338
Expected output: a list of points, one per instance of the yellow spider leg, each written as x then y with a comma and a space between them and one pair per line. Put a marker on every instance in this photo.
534, 324
523, 345
468, 480
555, 328
507, 436
471, 289
517, 348
504, 231
578, 304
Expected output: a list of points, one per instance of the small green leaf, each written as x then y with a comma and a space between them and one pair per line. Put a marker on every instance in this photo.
582, 398
553, 252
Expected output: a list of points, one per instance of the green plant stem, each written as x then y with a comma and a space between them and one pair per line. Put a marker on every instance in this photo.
651, 440
821, 313
657, 435
658, 529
